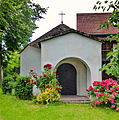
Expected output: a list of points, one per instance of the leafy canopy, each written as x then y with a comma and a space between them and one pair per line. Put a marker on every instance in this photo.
17, 22
112, 68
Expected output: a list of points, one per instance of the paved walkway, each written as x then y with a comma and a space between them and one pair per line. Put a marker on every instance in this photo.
74, 99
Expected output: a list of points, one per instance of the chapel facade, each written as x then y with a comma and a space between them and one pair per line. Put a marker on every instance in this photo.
76, 54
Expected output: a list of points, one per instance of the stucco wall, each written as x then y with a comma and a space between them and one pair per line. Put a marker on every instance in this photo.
75, 46
30, 59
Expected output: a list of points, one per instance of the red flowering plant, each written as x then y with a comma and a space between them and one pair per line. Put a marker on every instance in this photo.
32, 79
48, 78
105, 93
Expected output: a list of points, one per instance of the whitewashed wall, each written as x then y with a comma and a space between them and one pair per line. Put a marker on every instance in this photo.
30, 59
74, 46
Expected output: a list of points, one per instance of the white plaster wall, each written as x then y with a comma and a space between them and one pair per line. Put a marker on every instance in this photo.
30, 59
76, 46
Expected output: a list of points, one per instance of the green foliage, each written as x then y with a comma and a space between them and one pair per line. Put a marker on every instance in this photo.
111, 68
48, 96
105, 93
22, 89
17, 22
13, 62
48, 78
7, 84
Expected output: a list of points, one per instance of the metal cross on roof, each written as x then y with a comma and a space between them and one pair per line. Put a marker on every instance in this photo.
61, 16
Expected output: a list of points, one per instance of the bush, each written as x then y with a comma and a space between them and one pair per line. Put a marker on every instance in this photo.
7, 84
50, 95
23, 89
48, 78
105, 93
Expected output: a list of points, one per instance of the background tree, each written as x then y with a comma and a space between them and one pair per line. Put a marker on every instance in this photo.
17, 22
13, 64
112, 68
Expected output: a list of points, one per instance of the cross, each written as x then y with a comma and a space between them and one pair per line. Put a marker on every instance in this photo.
61, 16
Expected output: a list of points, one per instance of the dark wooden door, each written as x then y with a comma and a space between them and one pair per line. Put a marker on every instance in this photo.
66, 74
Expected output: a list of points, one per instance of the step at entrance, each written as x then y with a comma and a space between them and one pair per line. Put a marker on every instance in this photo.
74, 99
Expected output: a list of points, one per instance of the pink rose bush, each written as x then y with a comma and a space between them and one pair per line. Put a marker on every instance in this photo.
105, 93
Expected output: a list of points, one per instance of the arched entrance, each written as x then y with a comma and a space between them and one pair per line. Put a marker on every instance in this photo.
66, 74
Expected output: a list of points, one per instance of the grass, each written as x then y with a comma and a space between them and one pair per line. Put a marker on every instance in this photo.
13, 109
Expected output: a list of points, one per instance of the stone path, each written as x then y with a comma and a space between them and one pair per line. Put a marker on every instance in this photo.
74, 99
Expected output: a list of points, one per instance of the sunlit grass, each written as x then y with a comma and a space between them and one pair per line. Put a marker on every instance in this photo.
13, 109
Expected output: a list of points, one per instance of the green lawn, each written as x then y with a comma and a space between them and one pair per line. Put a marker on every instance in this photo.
13, 109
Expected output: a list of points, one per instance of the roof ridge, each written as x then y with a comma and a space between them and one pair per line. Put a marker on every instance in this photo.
58, 30
97, 13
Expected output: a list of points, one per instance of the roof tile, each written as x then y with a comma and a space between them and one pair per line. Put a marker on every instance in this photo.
89, 23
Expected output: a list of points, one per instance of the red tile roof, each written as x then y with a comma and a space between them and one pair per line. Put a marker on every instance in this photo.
89, 22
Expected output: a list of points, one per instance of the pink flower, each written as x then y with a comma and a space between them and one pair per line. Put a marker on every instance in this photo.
99, 102
111, 90
90, 88
95, 83
93, 103
112, 96
113, 106
117, 109
117, 88
96, 90
114, 93
107, 87
112, 101
109, 99
99, 94
106, 94
117, 103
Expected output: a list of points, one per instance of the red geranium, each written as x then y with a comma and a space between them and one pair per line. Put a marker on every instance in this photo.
28, 83
40, 76
31, 71
47, 87
35, 76
28, 80
34, 82
44, 75
49, 66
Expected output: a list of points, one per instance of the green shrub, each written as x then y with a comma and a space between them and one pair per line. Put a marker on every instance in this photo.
50, 95
23, 90
7, 84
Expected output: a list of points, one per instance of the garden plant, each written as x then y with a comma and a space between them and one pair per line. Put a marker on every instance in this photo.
105, 93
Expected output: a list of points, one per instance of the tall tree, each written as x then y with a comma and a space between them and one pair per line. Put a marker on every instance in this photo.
112, 68
17, 22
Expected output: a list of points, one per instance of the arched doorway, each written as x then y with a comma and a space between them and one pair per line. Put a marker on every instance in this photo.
66, 74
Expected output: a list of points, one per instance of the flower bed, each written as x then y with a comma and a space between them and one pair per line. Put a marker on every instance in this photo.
105, 93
